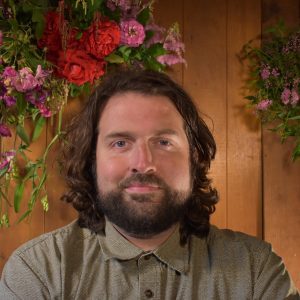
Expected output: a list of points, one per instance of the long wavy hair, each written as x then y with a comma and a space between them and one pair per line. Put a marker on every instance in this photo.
79, 153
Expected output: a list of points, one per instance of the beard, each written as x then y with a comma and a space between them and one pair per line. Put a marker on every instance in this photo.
143, 215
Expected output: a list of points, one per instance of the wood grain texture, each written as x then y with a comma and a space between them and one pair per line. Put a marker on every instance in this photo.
244, 186
281, 177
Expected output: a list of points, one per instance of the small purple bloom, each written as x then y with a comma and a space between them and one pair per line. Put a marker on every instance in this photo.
294, 97
8, 156
132, 33
265, 72
286, 95
157, 36
173, 43
45, 111
41, 75
264, 104
26, 80
275, 72
4, 131
9, 100
170, 59
9, 73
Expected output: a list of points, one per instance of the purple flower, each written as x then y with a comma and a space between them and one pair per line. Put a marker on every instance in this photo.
294, 97
4, 131
173, 43
157, 36
41, 75
132, 33
264, 104
275, 72
8, 156
265, 72
286, 95
45, 111
10, 73
26, 80
37, 95
9, 100
170, 59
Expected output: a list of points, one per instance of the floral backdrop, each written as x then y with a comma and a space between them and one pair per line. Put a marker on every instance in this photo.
51, 51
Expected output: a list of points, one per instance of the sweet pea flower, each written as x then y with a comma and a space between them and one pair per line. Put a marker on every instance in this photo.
41, 75
132, 33
4, 130
264, 104
9, 100
285, 96
26, 80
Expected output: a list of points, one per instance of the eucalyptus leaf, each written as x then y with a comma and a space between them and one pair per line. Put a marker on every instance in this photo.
38, 128
18, 196
23, 135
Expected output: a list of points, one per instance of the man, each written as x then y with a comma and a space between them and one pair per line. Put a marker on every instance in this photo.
136, 163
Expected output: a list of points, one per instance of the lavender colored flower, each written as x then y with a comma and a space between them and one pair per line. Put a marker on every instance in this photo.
173, 43
45, 111
26, 80
4, 130
264, 104
157, 36
294, 97
275, 72
41, 75
286, 95
170, 59
10, 73
9, 100
265, 72
132, 33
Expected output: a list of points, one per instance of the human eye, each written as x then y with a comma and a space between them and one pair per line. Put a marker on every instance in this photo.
119, 144
164, 142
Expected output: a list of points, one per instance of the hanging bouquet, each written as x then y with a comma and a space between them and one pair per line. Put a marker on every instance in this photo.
53, 50
274, 80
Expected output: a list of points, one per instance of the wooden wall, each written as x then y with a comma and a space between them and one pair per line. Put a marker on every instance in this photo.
259, 187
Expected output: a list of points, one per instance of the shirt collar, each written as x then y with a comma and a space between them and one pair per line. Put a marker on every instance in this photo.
114, 245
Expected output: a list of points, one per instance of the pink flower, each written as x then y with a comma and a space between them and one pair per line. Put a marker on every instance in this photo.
157, 36
26, 80
170, 59
9, 75
294, 97
285, 96
265, 72
9, 100
8, 156
132, 33
173, 43
264, 104
4, 131
275, 72
45, 111
41, 75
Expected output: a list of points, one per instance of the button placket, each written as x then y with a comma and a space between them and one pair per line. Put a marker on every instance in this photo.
149, 277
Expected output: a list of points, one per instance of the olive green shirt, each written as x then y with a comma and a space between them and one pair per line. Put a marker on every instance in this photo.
73, 263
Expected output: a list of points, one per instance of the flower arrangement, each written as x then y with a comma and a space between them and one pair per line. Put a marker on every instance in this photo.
274, 81
53, 50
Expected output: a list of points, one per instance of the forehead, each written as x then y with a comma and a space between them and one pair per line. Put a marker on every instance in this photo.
131, 108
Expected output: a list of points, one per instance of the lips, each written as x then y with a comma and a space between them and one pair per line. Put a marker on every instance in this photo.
141, 188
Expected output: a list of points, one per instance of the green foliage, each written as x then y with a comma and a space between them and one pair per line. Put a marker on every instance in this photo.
274, 81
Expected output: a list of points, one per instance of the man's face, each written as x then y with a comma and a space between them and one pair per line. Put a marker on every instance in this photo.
143, 169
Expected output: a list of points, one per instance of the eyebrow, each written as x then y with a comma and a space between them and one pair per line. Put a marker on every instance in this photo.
127, 134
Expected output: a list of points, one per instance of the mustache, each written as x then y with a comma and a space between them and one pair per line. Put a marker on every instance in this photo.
142, 179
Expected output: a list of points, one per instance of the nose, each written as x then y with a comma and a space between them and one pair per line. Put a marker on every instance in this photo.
142, 159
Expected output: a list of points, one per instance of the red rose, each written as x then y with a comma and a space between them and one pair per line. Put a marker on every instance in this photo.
78, 67
73, 42
51, 37
102, 37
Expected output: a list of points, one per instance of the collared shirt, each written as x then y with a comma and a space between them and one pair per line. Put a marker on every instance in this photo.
73, 263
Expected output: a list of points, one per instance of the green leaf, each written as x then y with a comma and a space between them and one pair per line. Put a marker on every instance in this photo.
38, 128
114, 59
144, 16
3, 171
295, 118
25, 215
23, 135
21, 104
18, 196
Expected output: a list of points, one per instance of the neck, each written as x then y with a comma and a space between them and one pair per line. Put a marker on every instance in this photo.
148, 244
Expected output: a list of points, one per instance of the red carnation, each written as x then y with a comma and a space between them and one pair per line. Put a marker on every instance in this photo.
78, 67
102, 37
51, 38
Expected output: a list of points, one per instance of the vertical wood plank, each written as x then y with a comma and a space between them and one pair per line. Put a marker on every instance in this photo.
205, 80
281, 176
244, 190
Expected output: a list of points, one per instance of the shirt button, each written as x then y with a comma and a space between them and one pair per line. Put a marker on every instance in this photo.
149, 294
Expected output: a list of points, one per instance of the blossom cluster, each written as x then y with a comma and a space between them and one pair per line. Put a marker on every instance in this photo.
275, 76
53, 49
